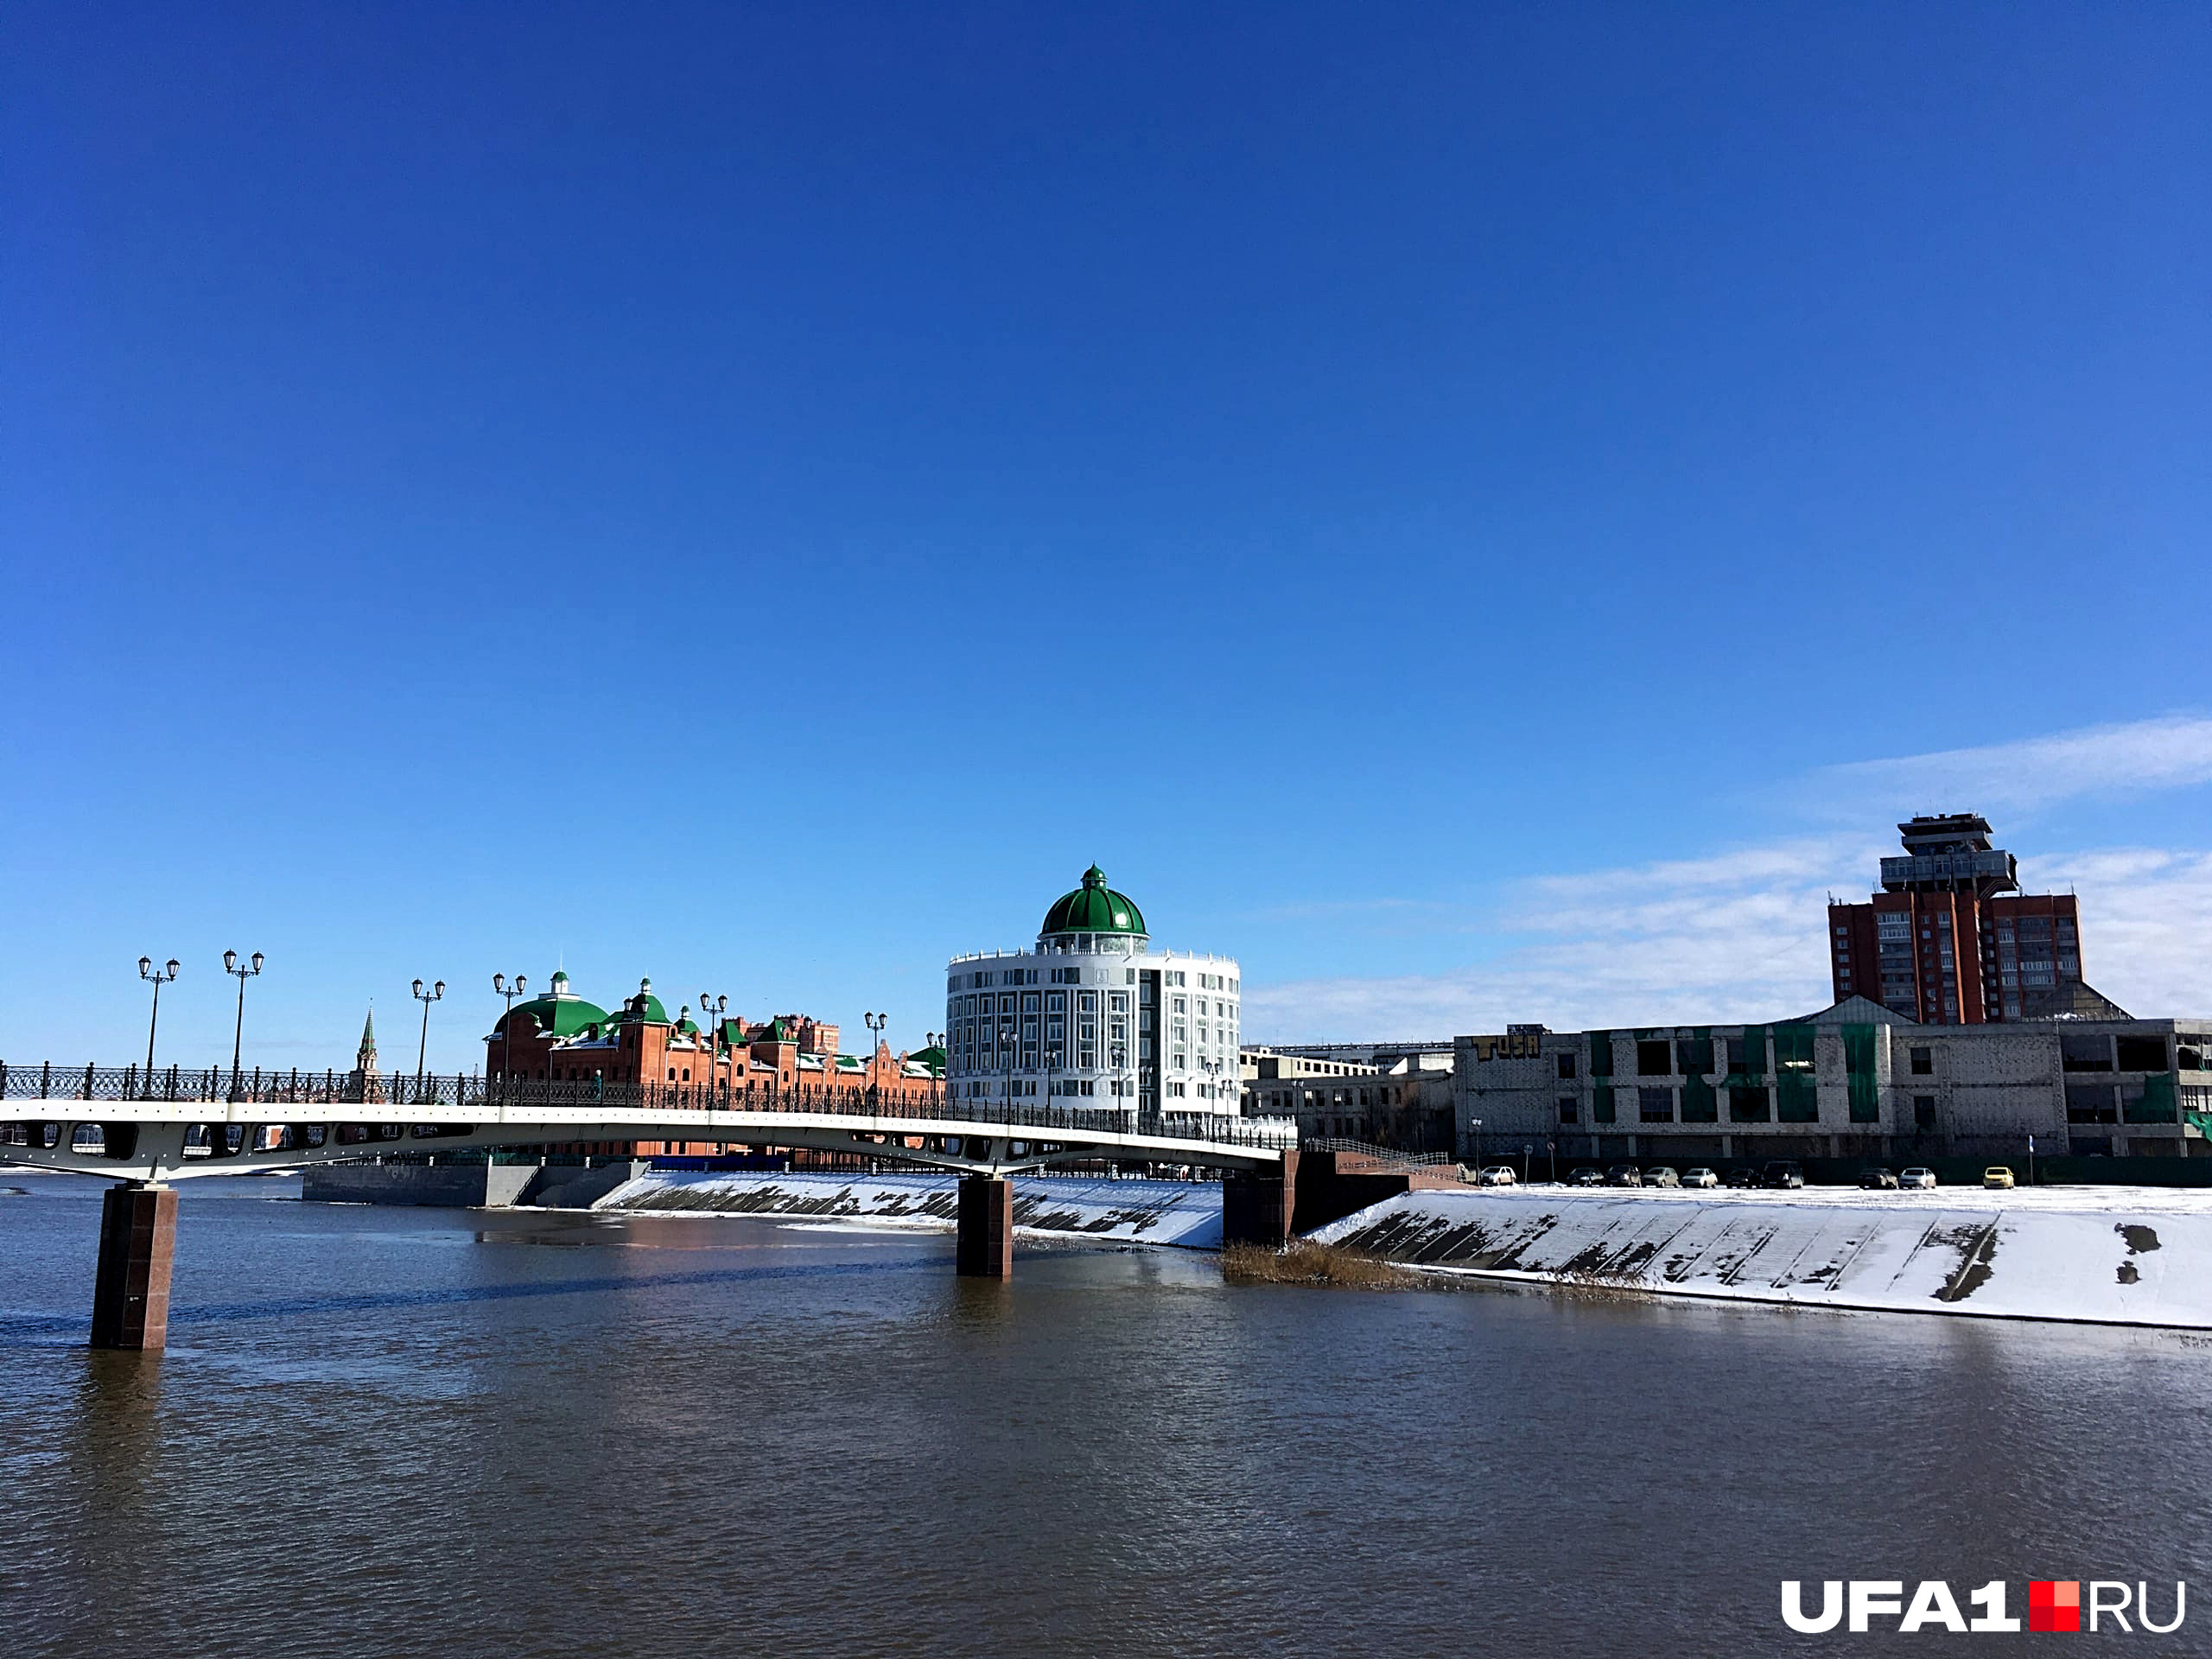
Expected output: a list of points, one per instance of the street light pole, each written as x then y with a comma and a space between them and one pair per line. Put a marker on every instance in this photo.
500, 988
1477, 1124
425, 998
160, 977
238, 1033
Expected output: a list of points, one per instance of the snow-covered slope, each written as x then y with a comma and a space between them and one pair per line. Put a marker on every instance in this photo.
2131, 1256
1158, 1212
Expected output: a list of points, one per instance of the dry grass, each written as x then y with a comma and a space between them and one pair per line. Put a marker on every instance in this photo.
1302, 1262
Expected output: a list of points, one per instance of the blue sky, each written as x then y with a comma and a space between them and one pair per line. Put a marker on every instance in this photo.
1428, 497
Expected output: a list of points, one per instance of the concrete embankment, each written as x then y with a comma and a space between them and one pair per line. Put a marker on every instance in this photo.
2127, 1256
466, 1186
1187, 1213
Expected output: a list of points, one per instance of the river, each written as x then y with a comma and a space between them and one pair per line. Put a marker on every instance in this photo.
418, 1431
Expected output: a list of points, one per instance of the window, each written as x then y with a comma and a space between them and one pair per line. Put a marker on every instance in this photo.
1655, 1059
1923, 1111
2142, 1053
1567, 1109
1747, 1057
1567, 1065
1923, 1062
1747, 1104
1655, 1105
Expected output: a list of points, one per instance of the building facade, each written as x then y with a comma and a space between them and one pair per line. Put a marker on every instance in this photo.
1094, 1015
1950, 940
1853, 1081
1403, 1102
560, 1037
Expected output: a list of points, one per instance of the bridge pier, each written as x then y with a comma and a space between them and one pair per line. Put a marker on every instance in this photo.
1257, 1206
131, 1296
985, 1249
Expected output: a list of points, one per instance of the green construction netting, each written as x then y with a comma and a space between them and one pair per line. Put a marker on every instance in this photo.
1858, 1074
1601, 1053
1601, 1103
1700, 1103
1747, 1056
2158, 1103
1694, 1055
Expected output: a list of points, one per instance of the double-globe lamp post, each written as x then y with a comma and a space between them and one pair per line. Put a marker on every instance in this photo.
425, 998
242, 972
160, 977
500, 987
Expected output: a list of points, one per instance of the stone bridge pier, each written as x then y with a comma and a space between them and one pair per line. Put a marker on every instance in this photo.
985, 1246
131, 1295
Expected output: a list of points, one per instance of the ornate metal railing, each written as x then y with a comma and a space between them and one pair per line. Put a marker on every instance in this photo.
324, 1095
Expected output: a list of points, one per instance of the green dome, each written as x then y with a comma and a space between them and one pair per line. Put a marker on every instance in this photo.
1094, 907
559, 1014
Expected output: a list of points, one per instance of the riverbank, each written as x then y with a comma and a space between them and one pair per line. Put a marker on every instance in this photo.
1184, 1213
2109, 1255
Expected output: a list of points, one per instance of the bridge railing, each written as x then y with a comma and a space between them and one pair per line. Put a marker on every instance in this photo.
324, 1095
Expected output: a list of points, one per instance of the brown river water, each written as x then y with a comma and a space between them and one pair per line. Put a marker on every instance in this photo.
424, 1431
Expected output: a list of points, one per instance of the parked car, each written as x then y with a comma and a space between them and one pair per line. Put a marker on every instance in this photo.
1662, 1176
1496, 1175
1877, 1179
1997, 1175
1623, 1175
1918, 1175
1782, 1172
1742, 1178
1585, 1176
1699, 1178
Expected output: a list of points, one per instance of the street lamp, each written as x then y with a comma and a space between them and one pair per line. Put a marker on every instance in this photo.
1006, 1063
160, 977
876, 1022
500, 988
425, 998
1476, 1124
230, 965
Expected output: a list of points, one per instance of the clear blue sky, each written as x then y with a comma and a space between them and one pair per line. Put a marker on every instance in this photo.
762, 496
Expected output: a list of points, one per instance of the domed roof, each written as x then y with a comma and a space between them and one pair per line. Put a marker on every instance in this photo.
559, 1013
1094, 907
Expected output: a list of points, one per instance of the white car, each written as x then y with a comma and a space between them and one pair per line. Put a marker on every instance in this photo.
1699, 1178
1495, 1175
1917, 1176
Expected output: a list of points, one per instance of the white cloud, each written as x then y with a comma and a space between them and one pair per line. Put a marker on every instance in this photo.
1740, 935
2172, 752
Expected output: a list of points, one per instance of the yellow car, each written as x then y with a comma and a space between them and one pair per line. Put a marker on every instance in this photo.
1997, 1175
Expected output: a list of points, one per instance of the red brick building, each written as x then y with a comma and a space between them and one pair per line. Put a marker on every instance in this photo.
1950, 940
560, 1037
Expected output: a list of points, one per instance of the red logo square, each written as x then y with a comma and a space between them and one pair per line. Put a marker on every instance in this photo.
2054, 1603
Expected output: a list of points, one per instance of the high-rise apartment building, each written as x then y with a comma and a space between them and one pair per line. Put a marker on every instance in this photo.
1951, 940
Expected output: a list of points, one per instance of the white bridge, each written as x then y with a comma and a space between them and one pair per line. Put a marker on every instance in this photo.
145, 1131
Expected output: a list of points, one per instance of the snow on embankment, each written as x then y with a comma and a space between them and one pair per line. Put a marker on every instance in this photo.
2131, 1256
1155, 1212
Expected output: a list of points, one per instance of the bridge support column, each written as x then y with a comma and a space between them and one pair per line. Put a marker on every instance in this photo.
985, 1246
131, 1296
1257, 1206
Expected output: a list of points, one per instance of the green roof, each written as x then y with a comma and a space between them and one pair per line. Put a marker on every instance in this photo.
644, 1007
774, 1032
932, 1057
560, 1016
1094, 907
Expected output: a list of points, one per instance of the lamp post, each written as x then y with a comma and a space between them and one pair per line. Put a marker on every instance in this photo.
1006, 1063
160, 977
425, 998
501, 988
1476, 1124
1119, 1055
243, 973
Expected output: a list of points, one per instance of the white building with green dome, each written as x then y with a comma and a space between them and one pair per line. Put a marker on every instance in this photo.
1095, 1014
